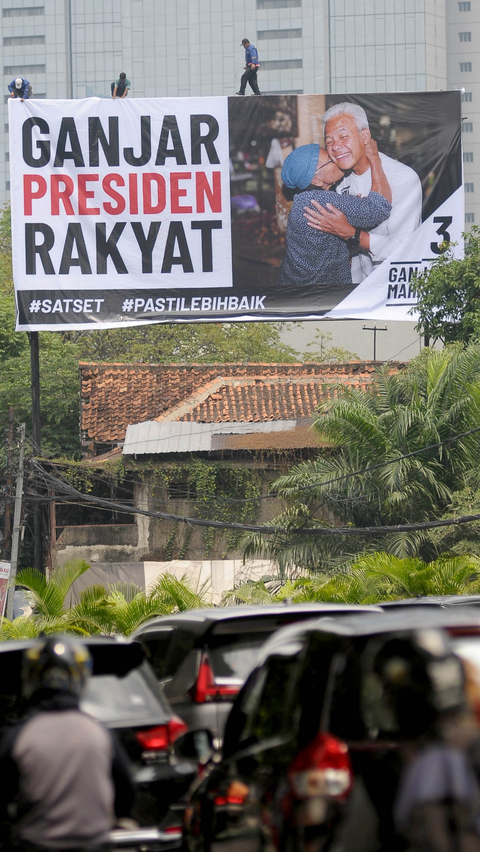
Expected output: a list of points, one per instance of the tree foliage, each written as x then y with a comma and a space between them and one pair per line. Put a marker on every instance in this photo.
119, 609
372, 578
122, 608
434, 399
326, 353
448, 295
164, 343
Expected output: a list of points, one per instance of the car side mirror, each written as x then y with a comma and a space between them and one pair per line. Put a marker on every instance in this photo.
195, 746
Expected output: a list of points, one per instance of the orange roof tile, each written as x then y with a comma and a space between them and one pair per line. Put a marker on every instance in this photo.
114, 396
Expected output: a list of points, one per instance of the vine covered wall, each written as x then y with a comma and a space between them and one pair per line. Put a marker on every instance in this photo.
213, 490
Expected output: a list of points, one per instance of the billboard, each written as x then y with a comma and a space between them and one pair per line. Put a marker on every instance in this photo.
174, 210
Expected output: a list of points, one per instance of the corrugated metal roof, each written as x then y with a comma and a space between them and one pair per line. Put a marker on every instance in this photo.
187, 436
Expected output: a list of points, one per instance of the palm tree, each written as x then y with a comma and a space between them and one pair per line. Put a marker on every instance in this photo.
48, 599
121, 609
127, 606
372, 578
435, 398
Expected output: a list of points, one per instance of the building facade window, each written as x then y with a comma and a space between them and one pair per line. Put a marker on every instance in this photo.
20, 70
469, 187
465, 36
281, 64
278, 34
465, 66
467, 127
469, 217
278, 4
465, 7
23, 11
12, 41
467, 97
468, 156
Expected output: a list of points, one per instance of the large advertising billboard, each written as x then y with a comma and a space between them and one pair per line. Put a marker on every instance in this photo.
279, 207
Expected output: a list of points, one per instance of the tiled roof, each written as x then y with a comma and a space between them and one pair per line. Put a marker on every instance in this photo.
114, 396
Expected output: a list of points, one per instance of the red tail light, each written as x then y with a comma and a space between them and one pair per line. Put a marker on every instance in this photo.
160, 738
323, 768
237, 794
206, 689
229, 800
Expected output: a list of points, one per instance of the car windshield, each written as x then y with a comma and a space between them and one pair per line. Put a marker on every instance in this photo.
115, 700
234, 656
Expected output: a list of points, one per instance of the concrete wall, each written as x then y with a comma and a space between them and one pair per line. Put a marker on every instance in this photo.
211, 577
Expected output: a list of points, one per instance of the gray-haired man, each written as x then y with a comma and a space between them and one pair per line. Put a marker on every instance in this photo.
346, 132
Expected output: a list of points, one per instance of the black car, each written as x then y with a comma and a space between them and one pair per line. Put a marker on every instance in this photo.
443, 601
309, 726
202, 657
123, 694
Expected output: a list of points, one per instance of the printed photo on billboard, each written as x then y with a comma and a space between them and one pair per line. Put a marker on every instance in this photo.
277, 207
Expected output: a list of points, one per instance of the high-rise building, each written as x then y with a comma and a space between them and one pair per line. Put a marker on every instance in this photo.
73, 49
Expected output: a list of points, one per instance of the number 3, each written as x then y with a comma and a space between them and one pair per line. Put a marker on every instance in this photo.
442, 232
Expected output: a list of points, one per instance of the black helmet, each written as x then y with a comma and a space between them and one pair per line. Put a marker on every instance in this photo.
55, 664
411, 680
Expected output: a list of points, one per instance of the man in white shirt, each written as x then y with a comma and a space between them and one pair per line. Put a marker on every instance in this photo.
346, 132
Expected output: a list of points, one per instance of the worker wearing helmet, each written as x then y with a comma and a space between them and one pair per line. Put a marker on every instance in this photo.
415, 687
67, 778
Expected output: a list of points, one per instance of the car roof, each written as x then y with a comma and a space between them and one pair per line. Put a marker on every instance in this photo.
352, 626
110, 654
433, 600
201, 620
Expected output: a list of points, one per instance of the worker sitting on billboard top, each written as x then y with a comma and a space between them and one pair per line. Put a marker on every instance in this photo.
20, 88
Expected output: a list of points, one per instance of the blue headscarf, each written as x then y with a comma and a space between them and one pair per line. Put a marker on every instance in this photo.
299, 167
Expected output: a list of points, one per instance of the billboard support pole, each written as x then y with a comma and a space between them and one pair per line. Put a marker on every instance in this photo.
17, 515
37, 442
8, 508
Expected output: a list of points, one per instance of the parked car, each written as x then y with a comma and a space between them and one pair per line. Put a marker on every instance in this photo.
309, 722
433, 600
202, 657
123, 694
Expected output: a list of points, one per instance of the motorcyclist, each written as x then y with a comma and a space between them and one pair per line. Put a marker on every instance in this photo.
67, 776
437, 802
415, 787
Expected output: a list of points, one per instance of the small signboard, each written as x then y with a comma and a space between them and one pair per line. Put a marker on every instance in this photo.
4, 578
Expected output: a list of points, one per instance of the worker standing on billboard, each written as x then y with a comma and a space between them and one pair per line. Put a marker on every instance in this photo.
251, 67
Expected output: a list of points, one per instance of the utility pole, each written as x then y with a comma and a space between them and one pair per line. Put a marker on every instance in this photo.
374, 329
17, 516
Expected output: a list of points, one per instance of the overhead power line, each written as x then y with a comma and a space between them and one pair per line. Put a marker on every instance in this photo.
65, 488
316, 485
